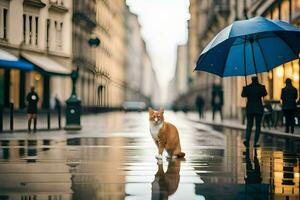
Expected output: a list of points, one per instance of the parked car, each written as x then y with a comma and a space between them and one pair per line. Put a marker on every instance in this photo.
134, 106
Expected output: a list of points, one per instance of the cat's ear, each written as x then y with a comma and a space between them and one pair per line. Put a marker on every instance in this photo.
162, 110
150, 110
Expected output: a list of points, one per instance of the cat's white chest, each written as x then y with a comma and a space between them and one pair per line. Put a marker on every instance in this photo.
154, 130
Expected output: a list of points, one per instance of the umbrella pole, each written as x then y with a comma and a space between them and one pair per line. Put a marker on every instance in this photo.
245, 60
254, 63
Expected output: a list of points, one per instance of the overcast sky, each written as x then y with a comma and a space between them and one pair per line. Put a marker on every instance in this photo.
164, 26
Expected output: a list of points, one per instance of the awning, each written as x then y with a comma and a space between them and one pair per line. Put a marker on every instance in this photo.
9, 61
46, 65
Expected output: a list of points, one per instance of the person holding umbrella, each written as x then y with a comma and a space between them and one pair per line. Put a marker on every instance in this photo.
289, 96
248, 47
254, 108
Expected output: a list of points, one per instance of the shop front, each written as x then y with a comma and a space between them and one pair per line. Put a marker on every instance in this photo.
16, 80
286, 10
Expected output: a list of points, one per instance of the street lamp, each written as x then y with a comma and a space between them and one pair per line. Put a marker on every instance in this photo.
73, 108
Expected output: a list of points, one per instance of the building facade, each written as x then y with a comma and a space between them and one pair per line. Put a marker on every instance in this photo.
207, 19
84, 55
111, 54
141, 81
39, 32
178, 86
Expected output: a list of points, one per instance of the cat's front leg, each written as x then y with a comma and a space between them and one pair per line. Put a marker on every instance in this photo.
160, 151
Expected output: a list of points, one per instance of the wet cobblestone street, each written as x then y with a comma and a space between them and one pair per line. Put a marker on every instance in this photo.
113, 157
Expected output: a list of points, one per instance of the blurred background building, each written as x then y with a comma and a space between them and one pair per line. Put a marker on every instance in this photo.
40, 33
141, 84
54, 36
111, 54
207, 18
84, 55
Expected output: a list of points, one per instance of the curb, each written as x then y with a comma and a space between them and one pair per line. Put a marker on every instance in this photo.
243, 127
25, 130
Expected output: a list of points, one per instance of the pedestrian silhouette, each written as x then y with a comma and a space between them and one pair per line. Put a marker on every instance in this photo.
254, 108
200, 105
289, 96
217, 100
32, 99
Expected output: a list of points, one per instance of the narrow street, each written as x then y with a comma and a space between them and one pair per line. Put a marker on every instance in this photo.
113, 157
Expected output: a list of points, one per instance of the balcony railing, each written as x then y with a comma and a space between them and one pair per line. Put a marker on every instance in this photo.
58, 6
34, 3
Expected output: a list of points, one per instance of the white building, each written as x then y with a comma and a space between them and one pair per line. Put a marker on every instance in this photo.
181, 71
141, 79
134, 57
39, 32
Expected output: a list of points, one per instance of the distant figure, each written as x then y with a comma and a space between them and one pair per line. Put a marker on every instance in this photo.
254, 108
32, 99
200, 105
289, 96
217, 100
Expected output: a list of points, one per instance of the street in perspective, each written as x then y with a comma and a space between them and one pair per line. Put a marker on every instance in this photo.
139, 99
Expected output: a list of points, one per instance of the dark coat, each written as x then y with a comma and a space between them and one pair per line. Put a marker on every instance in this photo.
32, 99
254, 92
289, 96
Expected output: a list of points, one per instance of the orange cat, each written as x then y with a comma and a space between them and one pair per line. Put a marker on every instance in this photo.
164, 134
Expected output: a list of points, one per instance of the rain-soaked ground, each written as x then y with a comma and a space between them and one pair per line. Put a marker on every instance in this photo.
113, 158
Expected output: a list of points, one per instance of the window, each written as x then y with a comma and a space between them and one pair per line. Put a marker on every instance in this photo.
30, 29
24, 28
59, 36
47, 33
4, 23
36, 30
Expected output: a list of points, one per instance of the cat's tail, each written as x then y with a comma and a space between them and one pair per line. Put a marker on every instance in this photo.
181, 155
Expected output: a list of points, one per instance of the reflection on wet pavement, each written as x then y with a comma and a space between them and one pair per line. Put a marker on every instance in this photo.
113, 158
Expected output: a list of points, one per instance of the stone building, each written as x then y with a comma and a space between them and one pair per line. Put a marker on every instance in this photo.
84, 55
111, 54
141, 81
38, 32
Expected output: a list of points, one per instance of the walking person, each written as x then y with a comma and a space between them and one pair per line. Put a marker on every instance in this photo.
32, 99
289, 96
254, 108
217, 100
200, 106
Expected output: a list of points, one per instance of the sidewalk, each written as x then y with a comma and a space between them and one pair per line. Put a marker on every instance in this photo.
20, 122
236, 124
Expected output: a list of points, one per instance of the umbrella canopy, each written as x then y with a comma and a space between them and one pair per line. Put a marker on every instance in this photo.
249, 47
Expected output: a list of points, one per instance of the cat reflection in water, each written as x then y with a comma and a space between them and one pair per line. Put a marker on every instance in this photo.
165, 135
166, 183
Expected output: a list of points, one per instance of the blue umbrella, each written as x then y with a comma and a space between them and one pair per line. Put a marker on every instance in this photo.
249, 47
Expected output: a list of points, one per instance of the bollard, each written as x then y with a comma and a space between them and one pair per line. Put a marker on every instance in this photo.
48, 118
11, 113
1, 118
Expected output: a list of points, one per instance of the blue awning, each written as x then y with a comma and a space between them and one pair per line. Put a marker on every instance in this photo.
9, 61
